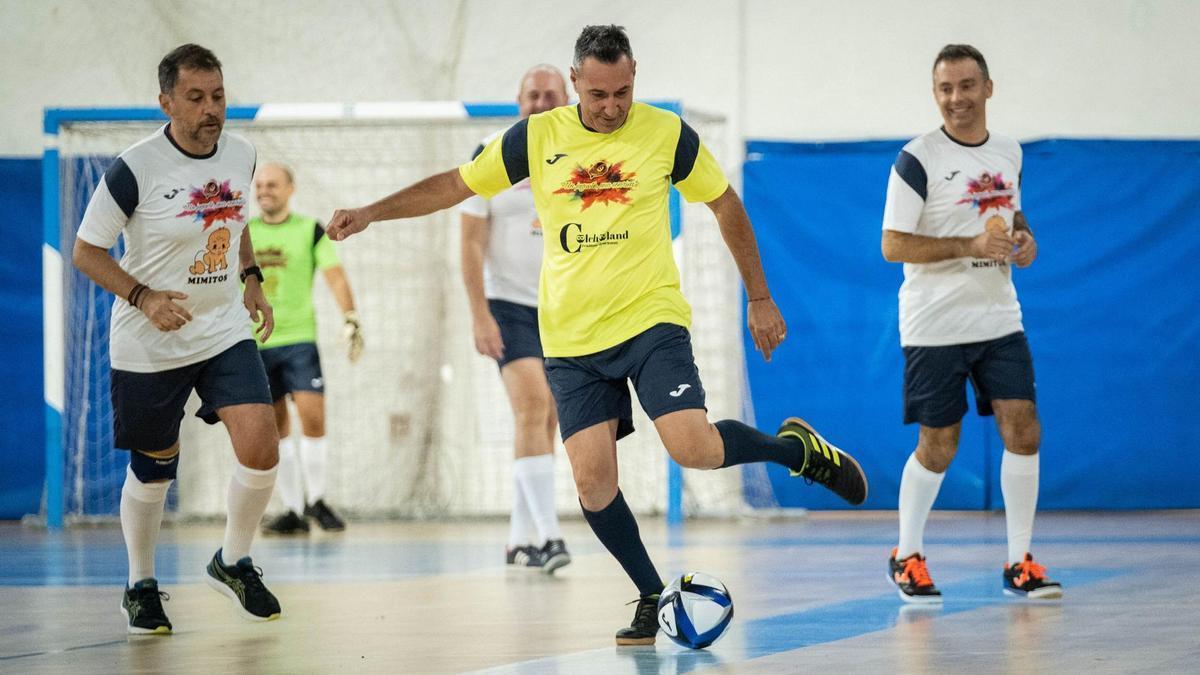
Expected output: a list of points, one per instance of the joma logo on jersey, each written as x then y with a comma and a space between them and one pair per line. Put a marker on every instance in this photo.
573, 239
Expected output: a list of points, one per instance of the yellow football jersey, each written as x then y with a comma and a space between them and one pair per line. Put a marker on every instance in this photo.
608, 271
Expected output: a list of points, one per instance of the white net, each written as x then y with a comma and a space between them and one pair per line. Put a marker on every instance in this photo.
420, 426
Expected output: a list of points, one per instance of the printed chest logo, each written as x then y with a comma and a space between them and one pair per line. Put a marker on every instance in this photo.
989, 191
270, 259
212, 259
600, 183
573, 239
213, 203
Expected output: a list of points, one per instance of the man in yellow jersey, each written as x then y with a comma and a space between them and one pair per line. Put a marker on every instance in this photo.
609, 305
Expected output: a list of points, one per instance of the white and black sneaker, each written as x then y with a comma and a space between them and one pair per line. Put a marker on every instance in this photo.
243, 584
525, 557
142, 607
554, 555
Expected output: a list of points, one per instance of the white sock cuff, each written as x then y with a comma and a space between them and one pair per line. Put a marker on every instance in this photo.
1019, 465
915, 469
535, 464
255, 479
149, 493
312, 442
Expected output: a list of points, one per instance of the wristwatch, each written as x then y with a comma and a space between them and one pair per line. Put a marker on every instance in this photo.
252, 271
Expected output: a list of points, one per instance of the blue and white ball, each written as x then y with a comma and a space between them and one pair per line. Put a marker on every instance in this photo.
694, 610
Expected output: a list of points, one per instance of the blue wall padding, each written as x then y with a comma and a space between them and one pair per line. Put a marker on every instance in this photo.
22, 454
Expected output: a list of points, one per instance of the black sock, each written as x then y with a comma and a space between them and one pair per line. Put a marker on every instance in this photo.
745, 444
618, 531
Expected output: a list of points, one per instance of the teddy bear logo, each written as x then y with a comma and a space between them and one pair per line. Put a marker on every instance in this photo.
212, 258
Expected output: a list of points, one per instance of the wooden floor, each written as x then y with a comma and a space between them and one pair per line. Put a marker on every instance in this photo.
434, 598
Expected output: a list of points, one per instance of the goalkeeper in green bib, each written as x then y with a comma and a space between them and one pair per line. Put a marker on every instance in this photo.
291, 248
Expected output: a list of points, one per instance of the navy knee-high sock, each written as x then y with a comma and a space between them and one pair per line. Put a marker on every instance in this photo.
745, 444
618, 531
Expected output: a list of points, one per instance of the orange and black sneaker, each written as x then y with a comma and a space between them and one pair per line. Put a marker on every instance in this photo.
912, 580
1027, 579
825, 463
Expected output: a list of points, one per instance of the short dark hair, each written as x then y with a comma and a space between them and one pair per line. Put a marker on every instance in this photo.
606, 44
190, 56
960, 52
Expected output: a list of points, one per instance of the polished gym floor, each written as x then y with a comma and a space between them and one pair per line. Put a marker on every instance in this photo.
810, 595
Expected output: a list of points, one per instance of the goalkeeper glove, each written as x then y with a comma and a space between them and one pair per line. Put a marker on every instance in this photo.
352, 335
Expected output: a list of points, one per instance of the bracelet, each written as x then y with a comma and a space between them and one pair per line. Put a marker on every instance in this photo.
136, 293
765, 297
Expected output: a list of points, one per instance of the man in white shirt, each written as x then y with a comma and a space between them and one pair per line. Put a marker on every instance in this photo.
501, 263
179, 197
953, 217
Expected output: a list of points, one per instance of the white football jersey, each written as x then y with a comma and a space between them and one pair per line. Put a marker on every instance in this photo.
513, 262
182, 216
940, 187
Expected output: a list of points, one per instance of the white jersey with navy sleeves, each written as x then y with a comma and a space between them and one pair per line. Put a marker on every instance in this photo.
182, 217
940, 187
513, 262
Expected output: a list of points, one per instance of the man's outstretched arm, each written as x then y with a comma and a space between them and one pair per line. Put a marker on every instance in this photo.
422, 198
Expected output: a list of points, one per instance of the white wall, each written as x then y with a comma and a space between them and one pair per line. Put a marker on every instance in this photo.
808, 69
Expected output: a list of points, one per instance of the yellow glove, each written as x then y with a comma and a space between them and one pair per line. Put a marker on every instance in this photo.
352, 335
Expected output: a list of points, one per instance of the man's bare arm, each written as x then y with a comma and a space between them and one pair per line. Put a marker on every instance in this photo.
915, 248
432, 194
766, 324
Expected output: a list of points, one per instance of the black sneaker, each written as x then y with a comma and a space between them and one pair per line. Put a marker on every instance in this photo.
645, 623
142, 607
554, 555
912, 580
325, 516
525, 557
288, 523
243, 584
1028, 579
826, 464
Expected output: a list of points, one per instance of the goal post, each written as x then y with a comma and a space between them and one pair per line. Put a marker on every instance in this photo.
420, 427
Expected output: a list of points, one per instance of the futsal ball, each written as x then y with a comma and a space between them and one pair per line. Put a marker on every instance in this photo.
694, 610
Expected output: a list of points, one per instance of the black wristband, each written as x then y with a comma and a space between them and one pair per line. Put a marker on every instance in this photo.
252, 271
136, 293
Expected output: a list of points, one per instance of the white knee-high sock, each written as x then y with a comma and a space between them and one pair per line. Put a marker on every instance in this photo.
1019, 485
249, 493
520, 523
918, 490
289, 482
141, 518
536, 476
314, 457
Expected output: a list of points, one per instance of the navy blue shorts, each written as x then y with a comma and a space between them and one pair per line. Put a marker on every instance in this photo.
293, 368
148, 407
935, 394
592, 389
518, 329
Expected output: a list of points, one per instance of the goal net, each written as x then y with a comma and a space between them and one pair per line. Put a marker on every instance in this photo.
420, 426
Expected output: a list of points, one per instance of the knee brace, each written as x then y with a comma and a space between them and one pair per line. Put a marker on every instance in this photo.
149, 469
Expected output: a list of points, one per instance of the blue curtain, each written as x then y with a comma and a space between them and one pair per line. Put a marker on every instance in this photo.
1111, 308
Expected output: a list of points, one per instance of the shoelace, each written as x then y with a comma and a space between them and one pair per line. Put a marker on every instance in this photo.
916, 570
152, 600
646, 610
252, 578
1030, 570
